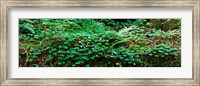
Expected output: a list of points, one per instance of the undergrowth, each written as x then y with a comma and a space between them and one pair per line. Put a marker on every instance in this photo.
100, 43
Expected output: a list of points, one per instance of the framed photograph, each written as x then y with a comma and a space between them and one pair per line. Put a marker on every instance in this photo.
99, 42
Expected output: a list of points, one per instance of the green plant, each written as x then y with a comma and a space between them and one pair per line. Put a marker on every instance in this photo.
99, 43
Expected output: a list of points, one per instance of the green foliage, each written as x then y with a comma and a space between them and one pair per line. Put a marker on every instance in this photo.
99, 43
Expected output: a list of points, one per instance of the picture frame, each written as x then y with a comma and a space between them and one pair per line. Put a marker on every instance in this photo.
7, 4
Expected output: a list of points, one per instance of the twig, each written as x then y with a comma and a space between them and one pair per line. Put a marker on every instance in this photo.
27, 59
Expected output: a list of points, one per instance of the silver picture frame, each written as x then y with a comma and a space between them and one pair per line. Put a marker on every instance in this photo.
5, 5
